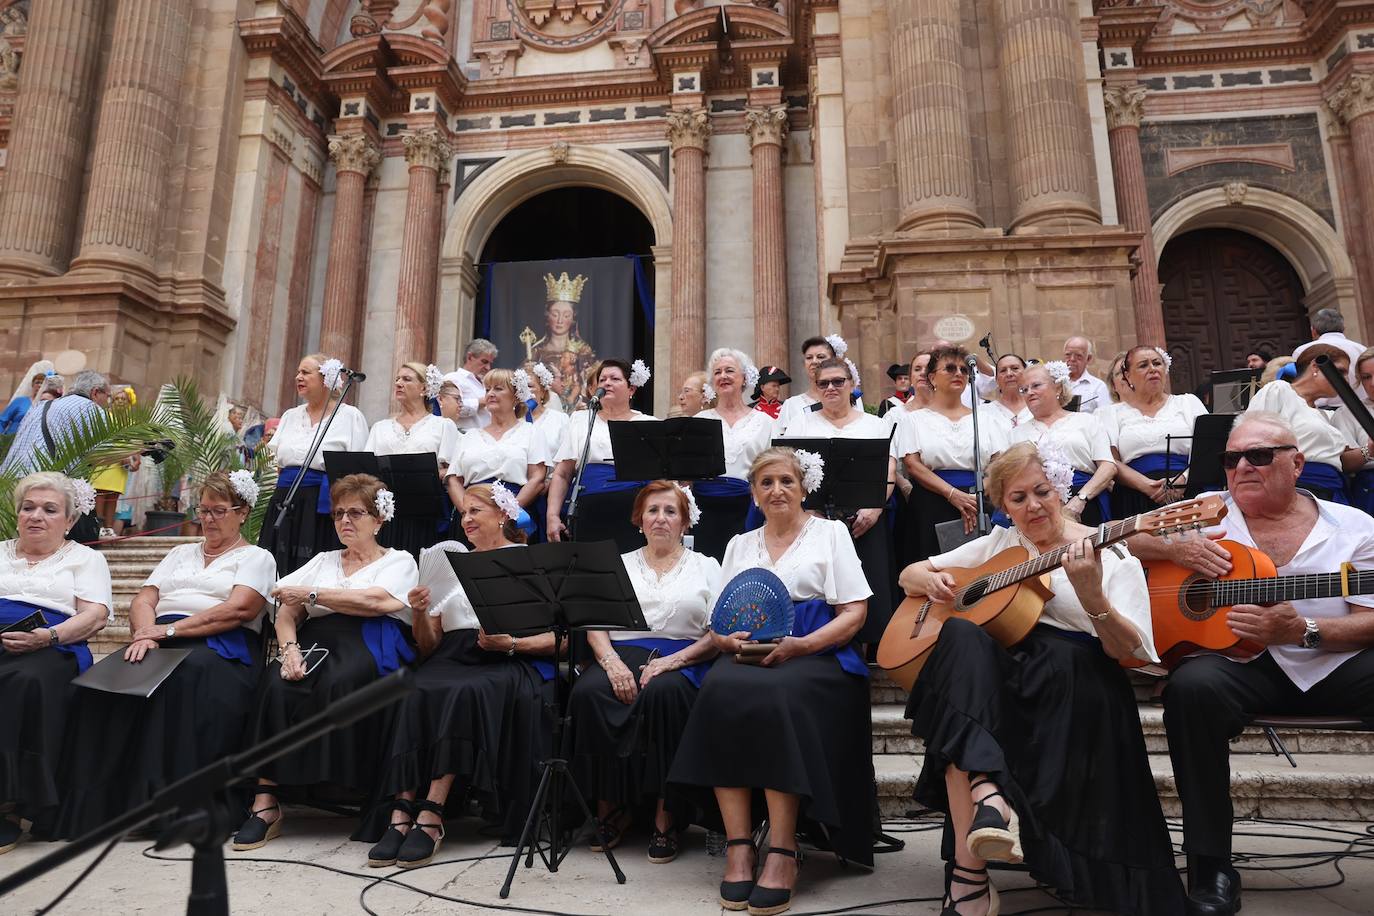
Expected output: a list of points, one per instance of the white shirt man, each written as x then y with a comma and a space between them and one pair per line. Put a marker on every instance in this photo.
477, 362
1091, 391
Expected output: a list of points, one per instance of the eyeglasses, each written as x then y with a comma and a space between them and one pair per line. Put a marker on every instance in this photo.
824, 383
1027, 389
354, 515
1260, 456
215, 512
953, 369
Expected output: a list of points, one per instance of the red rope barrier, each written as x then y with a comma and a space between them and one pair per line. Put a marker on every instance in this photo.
130, 537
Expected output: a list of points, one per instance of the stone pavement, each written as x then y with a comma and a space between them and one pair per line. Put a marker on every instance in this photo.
129, 883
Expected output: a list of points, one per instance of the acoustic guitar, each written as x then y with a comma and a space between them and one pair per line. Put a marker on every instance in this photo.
1006, 595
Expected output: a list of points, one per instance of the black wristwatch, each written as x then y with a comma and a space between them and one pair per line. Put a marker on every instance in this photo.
1311, 636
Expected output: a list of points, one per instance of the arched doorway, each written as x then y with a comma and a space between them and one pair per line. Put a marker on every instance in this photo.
1225, 292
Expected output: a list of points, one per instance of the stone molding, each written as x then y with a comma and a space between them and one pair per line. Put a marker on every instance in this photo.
426, 149
1125, 105
1354, 98
766, 125
354, 153
689, 128
1275, 155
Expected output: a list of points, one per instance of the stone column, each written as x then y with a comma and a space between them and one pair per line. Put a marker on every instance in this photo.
930, 114
767, 129
1353, 103
355, 156
1125, 105
1050, 142
139, 111
427, 152
49, 135
689, 131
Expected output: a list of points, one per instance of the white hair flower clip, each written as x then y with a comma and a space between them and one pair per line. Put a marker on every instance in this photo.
332, 372
751, 377
543, 373
838, 344
523, 393
386, 504
245, 486
813, 470
83, 495
693, 512
1057, 468
639, 374
1058, 370
1168, 360
434, 380
505, 501
708, 393
853, 371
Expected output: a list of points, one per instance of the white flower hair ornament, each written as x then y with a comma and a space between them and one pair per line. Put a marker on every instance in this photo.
693, 512
1058, 370
838, 344
1168, 360
83, 495
386, 504
813, 470
523, 393
708, 393
543, 373
505, 501
434, 380
332, 372
751, 377
853, 372
1057, 468
639, 374
245, 486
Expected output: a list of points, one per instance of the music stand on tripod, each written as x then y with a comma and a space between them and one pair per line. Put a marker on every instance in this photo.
855, 474
560, 587
413, 478
679, 448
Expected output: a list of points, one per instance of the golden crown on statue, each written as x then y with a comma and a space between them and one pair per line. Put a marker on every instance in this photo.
563, 289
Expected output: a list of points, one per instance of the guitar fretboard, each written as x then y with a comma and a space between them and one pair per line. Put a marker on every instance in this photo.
1226, 592
1106, 535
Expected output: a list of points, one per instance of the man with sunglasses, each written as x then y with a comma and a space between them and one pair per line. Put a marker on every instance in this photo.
1317, 658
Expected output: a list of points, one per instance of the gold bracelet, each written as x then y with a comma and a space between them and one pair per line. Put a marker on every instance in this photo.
1102, 616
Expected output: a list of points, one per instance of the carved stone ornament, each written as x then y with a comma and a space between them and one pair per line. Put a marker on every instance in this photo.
1235, 192
1125, 105
354, 153
362, 25
559, 150
12, 25
766, 125
1353, 98
427, 149
689, 128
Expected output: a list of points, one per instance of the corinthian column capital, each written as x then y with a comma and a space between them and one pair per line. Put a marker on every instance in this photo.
689, 129
426, 148
766, 125
354, 153
1125, 105
1353, 98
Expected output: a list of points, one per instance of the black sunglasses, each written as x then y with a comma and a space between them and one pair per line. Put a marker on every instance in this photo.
831, 382
1260, 456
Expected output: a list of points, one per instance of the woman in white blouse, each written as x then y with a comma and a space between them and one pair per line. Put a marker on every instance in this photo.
1010, 403
724, 501
1078, 436
1362, 484
307, 529
603, 509
630, 708
797, 725
549, 421
1042, 740
68, 584
343, 622
413, 430
474, 719
208, 598
1151, 432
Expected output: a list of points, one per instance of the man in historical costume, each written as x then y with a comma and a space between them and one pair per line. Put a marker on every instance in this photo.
561, 349
1317, 657
901, 387
477, 361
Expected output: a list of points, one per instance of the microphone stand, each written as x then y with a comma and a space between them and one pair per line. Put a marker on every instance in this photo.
310, 455
593, 408
982, 528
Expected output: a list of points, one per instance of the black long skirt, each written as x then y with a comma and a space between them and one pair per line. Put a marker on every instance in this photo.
1127, 502
1053, 721
874, 548
38, 694
605, 516
924, 511
803, 728
303, 533
412, 533
478, 715
121, 750
622, 754
722, 517
347, 757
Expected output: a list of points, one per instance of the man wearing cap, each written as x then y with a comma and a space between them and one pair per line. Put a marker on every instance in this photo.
901, 383
768, 391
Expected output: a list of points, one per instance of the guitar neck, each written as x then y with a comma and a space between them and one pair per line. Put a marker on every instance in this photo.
1107, 535
1226, 592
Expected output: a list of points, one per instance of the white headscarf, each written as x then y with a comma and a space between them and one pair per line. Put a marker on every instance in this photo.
43, 366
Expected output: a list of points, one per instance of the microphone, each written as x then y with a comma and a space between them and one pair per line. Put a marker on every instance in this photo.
594, 402
356, 376
972, 362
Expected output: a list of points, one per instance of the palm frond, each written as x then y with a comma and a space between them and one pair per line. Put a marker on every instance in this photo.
265, 473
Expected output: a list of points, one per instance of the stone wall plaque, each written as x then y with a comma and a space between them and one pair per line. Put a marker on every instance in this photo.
954, 328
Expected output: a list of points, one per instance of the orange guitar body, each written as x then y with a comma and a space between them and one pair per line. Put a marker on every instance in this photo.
1008, 614
1185, 620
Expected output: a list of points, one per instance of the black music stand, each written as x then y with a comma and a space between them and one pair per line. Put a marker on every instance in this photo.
1233, 388
1205, 473
414, 479
679, 448
560, 587
855, 474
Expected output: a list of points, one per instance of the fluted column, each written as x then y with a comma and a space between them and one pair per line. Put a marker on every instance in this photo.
1353, 103
930, 113
767, 129
689, 131
48, 138
137, 129
1125, 105
355, 156
1050, 142
427, 152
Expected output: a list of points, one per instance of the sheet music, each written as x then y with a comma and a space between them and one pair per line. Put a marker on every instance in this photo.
436, 572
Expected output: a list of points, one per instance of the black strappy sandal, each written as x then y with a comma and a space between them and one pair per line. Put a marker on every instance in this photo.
992, 837
419, 848
734, 895
769, 901
389, 846
983, 888
610, 830
256, 832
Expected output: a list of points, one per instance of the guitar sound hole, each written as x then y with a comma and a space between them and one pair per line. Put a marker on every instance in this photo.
975, 592
1193, 599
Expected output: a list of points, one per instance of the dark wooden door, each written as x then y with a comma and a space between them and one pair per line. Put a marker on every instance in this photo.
1224, 294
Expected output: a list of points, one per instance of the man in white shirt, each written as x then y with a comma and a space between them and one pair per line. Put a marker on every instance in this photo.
1328, 327
477, 361
1317, 658
1091, 391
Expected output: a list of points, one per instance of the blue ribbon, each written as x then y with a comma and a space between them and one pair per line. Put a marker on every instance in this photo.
1155, 462
646, 295
1326, 477
231, 645
1103, 504
545, 668
1362, 491
12, 611
600, 478
666, 647
956, 477
816, 613
312, 478
721, 487
387, 642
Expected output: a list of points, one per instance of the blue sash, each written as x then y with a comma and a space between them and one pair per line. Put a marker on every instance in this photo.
1362, 491
666, 647
1155, 462
1103, 504
600, 478
545, 668
753, 518
1326, 477
721, 487
312, 478
816, 613
524, 522
385, 639
956, 477
12, 611
232, 645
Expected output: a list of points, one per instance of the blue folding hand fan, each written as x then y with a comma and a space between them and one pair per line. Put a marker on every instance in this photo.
754, 602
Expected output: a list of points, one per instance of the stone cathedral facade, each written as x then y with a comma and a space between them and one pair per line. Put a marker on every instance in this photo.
216, 187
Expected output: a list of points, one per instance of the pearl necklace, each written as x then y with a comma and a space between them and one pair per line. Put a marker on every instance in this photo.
210, 556
66, 545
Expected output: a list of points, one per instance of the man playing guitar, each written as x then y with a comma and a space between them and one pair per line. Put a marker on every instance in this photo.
1318, 658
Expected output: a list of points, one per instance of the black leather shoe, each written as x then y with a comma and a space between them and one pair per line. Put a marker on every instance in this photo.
389, 846
1213, 887
734, 895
